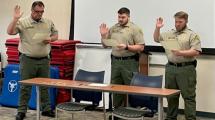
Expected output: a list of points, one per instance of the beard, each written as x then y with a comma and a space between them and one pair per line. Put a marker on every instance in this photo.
181, 29
36, 18
123, 23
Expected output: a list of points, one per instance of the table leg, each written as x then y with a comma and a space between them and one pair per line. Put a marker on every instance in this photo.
104, 110
160, 108
38, 102
112, 117
112, 101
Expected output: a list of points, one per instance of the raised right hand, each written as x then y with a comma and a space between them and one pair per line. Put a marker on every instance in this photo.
104, 30
17, 13
159, 23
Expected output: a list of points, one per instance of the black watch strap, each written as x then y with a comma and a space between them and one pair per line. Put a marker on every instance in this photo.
126, 48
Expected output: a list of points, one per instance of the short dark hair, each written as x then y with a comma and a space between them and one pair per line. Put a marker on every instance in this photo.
124, 10
181, 14
35, 3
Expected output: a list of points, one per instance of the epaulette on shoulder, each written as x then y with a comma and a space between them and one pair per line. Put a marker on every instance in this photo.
189, 29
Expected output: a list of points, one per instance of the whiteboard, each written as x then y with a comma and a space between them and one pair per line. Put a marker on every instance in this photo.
89, 14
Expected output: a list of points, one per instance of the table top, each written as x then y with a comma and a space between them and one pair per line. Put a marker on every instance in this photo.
72, 84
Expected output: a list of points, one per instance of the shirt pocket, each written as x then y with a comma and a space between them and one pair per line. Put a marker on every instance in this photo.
184, 41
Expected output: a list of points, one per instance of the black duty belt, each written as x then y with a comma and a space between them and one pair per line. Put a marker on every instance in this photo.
123, 58
35, 58
183, 63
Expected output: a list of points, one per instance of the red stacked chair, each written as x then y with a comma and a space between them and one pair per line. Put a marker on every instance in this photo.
12, 50
63, 56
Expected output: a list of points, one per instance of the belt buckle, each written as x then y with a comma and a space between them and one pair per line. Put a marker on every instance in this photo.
176, 64
183, 64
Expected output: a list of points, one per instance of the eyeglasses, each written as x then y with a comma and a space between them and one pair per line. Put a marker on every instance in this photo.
37, 11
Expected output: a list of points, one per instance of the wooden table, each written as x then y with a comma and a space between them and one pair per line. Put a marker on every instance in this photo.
71, 84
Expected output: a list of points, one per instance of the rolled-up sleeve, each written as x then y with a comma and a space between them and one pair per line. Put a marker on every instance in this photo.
138, 36
195, 42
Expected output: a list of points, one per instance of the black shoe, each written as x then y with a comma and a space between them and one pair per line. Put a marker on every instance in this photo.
20, 116
48, 113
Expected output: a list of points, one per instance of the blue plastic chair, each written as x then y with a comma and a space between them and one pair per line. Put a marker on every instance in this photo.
79, 95
138, 102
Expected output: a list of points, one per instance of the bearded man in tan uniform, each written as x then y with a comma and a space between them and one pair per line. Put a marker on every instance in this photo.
180, 69
128, 40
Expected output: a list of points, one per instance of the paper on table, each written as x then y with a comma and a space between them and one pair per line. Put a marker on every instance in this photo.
98, 84
111, 42
170, 45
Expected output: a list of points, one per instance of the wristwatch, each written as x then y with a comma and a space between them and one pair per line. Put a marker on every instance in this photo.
126, 48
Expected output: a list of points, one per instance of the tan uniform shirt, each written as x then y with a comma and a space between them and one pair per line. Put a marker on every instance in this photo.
32, 34
187, 39
130, 34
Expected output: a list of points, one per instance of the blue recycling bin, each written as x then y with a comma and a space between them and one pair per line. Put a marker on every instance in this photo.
10, 91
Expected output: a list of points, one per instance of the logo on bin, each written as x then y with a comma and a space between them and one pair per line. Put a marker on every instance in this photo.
12, 86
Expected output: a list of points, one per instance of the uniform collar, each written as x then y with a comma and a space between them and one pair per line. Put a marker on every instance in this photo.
126, 25
33, 21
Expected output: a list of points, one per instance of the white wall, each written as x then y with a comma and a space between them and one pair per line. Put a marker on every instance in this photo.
57, 10
205, 79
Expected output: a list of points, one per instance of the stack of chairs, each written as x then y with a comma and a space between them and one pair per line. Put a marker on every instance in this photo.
12, 50
63, 56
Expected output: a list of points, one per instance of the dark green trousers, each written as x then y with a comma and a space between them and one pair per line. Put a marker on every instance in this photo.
184, 79
31, 68
121, 73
